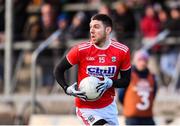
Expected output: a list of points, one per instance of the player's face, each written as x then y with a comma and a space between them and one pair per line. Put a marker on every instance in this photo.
98, 32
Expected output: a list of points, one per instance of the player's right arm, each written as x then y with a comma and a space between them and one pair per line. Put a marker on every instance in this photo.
64, 64
70, 59
59, 71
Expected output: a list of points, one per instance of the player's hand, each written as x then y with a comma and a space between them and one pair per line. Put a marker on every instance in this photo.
104, 84
72, 90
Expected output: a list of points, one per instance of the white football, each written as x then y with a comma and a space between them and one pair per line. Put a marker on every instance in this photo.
88, 85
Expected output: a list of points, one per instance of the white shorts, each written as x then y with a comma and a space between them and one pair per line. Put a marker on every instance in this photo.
90, 116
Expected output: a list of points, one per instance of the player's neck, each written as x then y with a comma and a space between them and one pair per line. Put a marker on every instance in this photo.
103, 44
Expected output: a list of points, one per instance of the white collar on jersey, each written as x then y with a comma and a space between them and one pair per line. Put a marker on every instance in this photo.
105, 46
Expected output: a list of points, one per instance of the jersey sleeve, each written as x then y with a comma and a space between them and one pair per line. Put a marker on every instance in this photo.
126, 62
72, 55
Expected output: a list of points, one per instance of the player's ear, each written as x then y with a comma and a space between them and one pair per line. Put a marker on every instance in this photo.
108, 30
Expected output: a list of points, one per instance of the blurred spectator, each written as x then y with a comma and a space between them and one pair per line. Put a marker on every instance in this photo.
62, 22
77, 28
138, 98
168, 61
124, 25
124, 22
57, 4
20, 17
48, 25
32, 29
149, 25
163, 19
105, 9
41, 28
174, 25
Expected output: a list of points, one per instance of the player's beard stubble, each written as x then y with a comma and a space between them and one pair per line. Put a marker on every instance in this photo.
99, 39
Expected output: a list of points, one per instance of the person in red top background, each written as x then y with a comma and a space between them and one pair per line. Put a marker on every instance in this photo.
101, 57
138, 98
149, 26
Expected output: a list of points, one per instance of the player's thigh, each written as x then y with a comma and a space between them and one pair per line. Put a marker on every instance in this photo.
110, 114
91, 117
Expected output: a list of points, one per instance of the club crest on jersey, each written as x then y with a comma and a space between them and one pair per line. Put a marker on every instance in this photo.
113, 59
99, 71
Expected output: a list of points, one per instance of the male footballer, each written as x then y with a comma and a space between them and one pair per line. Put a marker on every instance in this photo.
103, 58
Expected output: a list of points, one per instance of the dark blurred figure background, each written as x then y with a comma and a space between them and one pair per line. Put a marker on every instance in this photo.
174, 24
48, 20
124, 24
163, 20
20, 17
78, 28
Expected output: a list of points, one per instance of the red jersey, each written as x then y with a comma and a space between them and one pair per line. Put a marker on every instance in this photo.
92, 60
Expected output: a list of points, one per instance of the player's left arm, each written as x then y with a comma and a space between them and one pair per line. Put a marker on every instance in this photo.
123, 82
125, 72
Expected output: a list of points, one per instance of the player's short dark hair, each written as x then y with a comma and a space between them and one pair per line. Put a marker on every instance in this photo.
106, 20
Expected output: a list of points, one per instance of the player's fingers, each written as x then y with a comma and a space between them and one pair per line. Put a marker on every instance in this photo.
101, 82
79, 93
100, 86
100, 89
